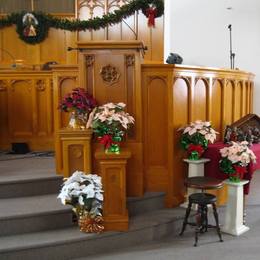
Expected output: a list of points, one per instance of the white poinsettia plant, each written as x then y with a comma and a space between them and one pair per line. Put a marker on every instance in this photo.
110, 122
196, 136
202, 128
238, 153
235, 159
84, 192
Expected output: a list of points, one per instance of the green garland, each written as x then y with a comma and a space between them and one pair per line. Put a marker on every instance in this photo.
47, 21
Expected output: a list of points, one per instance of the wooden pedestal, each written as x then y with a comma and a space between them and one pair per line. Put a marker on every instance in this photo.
112, 169
76, 150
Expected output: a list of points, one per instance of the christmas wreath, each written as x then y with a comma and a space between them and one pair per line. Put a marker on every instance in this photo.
33, 27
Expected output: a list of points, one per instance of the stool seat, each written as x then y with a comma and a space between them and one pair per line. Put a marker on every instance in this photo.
204, 183
202, 198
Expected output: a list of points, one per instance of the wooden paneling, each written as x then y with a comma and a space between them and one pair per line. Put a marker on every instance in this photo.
49, 6
155, 96
124, 59
112, 169
54, 48
65, 78
196, 93
199, 105
26, 109
139, 30
75, 150
216, 104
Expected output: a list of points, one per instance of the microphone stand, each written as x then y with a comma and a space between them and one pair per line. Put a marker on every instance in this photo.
232, 54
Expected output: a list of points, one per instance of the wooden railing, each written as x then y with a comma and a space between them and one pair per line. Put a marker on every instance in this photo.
173, 96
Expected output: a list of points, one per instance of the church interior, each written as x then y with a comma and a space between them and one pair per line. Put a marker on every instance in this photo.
129, 129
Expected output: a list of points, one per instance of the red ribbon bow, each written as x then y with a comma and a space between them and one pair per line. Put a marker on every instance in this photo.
106, 140
151, 13
240, 171
198, 148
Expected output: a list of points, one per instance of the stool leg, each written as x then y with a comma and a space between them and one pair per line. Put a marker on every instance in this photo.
207, 222
199, 220
217, 222
185, 221
204, 220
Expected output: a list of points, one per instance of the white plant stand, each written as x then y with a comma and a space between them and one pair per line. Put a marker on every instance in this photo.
196, 169
235, 209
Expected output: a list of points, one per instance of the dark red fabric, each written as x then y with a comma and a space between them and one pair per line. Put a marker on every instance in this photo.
212, 167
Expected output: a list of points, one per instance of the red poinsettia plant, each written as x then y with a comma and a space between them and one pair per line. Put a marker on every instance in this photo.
78, 101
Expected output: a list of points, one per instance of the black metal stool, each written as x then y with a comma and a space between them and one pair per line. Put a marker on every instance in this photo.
202, 200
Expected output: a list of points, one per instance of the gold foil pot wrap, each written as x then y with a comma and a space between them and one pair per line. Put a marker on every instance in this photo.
90, 224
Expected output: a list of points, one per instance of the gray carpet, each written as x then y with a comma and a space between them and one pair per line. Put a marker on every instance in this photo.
244, 247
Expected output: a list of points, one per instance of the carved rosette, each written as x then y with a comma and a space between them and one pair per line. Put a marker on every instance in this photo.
109, 74
129, 60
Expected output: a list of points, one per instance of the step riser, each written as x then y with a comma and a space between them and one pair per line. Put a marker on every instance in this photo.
23, 189
95, 246
146, 205
35, 223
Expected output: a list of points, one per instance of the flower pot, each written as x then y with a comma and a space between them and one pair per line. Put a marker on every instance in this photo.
238, 175
77, 121
114, 148
91, 224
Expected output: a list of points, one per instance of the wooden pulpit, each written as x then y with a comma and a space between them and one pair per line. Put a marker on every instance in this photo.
111, 72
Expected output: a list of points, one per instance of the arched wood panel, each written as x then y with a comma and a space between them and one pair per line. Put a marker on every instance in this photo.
216, 106
228, 106
199, 104
238, 101
155, 131
20, 114
180, 110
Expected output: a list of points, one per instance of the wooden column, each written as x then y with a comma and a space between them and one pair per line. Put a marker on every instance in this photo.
76, 150
112, 168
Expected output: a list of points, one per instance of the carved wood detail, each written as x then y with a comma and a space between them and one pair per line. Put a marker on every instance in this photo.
89, 60
109, 74
3, 85
40, 85
130, 60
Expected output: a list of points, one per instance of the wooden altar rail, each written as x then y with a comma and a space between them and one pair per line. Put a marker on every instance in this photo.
26, 109
173, 96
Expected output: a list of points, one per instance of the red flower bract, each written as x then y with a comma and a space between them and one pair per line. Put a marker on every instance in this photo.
78, 100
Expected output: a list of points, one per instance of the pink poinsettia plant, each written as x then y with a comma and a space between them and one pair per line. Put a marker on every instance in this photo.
196, 136
110, 123
235, 159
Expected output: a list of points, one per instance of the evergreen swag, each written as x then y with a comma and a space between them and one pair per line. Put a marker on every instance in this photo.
46, 21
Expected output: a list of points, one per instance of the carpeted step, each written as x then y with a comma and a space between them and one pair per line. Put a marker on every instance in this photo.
28, 177
21, 185
30, 214
149, 202
70, 243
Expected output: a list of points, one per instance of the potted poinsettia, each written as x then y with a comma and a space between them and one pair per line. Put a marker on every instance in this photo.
79, 103
110, 123
84, 192
195, 138
235, 159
